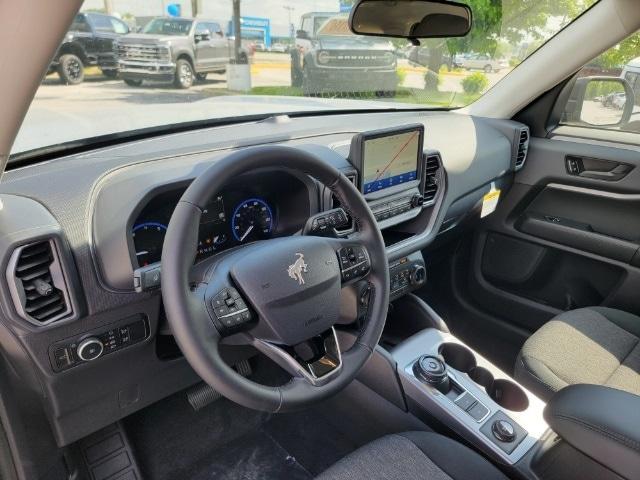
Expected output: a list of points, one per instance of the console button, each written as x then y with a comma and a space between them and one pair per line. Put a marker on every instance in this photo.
478, 411
465, 401
503, 431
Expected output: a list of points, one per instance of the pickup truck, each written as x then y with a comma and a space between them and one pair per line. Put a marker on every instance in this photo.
178, 50
328, 59
89, 42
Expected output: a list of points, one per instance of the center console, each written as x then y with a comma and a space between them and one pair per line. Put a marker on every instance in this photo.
445, 379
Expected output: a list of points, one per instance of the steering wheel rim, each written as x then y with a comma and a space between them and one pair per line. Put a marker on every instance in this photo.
188, 306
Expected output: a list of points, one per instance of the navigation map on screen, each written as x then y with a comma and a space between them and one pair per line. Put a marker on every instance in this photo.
390, 160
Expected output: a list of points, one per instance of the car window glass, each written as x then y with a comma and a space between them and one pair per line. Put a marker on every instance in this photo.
118, 26
215, 28
606, 92
80, 24
102, 23
307, 25
202, 28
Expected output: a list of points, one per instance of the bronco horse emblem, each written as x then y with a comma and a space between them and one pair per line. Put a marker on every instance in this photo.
296, 269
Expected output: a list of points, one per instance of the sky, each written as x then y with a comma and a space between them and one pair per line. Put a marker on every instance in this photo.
221, 10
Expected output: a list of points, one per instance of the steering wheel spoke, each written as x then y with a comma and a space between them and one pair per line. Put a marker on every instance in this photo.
314, 360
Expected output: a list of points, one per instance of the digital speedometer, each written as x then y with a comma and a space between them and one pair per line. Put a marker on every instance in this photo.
252, 220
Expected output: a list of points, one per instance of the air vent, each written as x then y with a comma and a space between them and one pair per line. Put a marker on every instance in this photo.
432, 165
523, 146
37, 283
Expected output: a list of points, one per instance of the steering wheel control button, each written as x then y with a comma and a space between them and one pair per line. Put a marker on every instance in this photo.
354, 262
90, 349
504, 431
230, 309
326, 222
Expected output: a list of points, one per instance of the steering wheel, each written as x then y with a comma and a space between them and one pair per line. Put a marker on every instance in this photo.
281, 295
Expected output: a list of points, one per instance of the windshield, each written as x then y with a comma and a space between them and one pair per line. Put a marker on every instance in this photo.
150, 69
168, 26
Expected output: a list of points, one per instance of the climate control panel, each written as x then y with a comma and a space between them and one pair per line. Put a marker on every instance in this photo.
90, 346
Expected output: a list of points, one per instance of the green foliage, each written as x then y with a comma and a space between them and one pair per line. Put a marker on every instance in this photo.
600, 88
513, 21
401, 73
621, 54
475, 83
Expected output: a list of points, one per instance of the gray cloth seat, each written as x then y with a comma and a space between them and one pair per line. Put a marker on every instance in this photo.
413, 456
594, 345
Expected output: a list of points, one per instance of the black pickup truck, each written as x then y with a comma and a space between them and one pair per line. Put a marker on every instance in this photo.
88, 42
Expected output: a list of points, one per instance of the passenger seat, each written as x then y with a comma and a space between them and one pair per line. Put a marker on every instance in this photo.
595, 345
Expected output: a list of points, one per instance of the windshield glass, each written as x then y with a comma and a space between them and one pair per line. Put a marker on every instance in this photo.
281, 56
167, 26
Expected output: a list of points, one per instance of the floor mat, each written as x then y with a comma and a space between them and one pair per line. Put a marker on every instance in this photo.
256, 456
227, 441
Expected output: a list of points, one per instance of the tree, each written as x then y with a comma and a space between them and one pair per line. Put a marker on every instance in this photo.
621, 54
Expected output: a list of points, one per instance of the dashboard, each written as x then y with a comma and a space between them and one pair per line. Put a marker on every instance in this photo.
103, 215
255, 207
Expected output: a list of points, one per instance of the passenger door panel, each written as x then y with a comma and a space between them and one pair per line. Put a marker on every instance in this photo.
560, 240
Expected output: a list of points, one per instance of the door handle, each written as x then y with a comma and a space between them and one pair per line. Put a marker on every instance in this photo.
598, 169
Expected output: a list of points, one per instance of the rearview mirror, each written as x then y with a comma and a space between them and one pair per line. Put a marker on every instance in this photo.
302, 34
411, 19
600, 101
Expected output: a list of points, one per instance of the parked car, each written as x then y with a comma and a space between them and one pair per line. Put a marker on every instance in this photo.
482, 62
631, 73
279, 48
615, 100
422, 56
329, 58
178, 50
260, 47
89, 42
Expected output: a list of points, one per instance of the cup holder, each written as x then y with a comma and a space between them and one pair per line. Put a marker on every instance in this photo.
458, 356
509, 395
482, 377
504, 392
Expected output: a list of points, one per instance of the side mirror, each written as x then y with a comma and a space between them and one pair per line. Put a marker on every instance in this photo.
202, 37
412, 19
302, 34
600, 101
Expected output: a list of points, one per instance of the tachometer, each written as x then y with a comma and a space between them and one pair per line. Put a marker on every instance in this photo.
252, 220
148, 238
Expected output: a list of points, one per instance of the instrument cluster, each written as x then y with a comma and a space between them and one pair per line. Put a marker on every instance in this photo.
236, 216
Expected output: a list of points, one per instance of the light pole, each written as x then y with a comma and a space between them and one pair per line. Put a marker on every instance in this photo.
289, 9
236, 29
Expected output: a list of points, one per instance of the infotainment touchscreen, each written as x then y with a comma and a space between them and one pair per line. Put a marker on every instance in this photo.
388, 158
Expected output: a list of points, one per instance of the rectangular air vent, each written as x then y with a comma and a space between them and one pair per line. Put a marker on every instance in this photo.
431, 167
37, 284
523, 146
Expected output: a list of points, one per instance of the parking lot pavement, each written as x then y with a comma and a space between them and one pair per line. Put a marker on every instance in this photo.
62, 113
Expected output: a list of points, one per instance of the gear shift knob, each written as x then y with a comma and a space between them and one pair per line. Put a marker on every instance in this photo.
432, 370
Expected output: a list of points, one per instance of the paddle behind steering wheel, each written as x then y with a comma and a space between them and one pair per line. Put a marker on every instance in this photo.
284, 294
